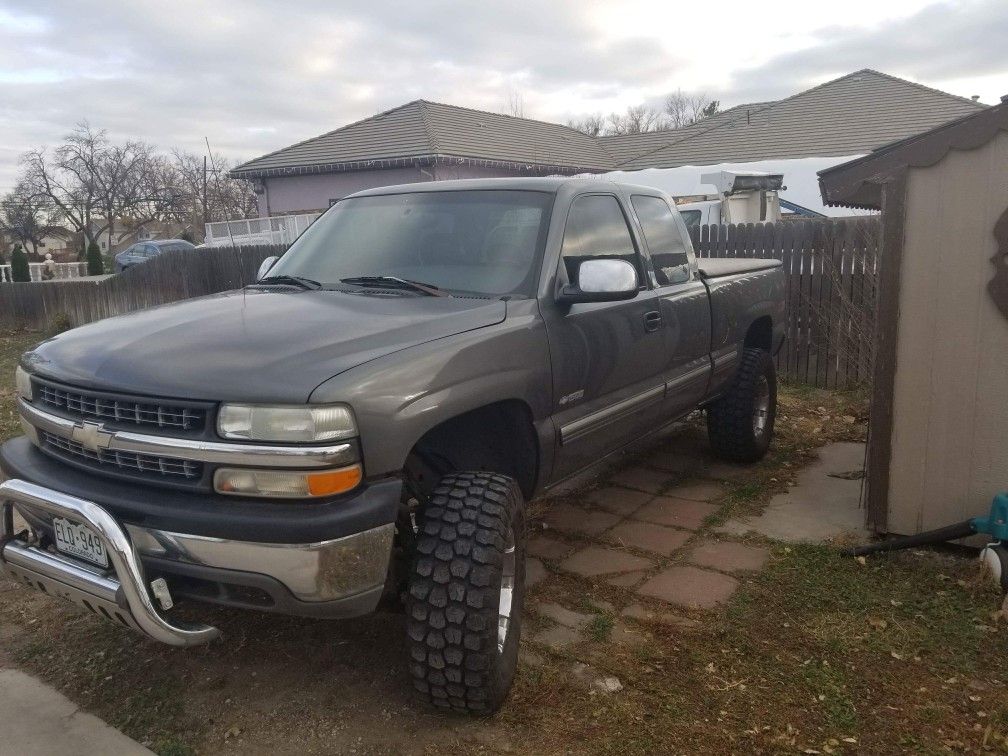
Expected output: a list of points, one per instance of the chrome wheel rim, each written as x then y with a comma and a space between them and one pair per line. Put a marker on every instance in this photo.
761, 406
506, 595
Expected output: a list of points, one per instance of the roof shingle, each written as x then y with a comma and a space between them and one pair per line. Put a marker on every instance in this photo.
853, 114
850, 115
428, 129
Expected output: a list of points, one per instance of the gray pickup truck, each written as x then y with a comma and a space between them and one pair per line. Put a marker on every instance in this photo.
370, 417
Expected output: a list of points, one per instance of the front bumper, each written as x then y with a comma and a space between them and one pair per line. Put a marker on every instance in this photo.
230, 552
120, 594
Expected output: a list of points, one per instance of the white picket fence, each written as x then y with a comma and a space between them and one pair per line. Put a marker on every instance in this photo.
279, 229
63, 271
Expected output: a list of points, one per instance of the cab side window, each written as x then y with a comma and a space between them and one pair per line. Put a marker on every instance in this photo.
596, 227
664, 239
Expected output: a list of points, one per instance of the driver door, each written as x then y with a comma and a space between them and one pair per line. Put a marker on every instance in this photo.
607, 357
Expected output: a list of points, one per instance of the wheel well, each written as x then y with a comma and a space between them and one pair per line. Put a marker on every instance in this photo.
499, 437
760, 334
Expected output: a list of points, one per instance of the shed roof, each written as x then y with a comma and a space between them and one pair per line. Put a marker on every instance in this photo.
846, 116
857, 183
428, 130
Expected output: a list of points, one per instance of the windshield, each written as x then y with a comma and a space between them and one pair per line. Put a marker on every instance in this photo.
482, 242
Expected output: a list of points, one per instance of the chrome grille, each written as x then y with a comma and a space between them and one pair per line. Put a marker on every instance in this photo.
147, 412
124, 462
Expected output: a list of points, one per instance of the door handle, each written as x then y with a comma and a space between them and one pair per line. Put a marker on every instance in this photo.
652, 320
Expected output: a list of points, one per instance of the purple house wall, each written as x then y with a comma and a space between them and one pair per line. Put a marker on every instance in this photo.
284, 195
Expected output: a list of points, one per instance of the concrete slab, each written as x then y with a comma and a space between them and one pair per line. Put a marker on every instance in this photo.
648, 536
819, 507
690, 587
562, 615
570, 519
618, 500
557, 636
674, 460
545, 547
627, 579
535, 572
642, 479
622, 635
704, 490
680, 513
596, 560
728, 556
38, 721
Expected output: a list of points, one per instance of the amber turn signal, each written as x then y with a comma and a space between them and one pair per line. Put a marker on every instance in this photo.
287, 484
334, 482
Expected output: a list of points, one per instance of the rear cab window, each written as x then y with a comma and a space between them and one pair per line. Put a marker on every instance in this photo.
664, 235
597, 227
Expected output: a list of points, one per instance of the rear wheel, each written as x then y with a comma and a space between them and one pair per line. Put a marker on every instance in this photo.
466, 592
740, 424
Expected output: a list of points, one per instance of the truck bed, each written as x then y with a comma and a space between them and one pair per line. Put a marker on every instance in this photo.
717, 267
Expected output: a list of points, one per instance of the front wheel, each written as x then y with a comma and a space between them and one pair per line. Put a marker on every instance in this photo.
740, 424
467, 591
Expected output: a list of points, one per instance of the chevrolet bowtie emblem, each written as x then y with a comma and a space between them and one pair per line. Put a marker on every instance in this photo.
92, 436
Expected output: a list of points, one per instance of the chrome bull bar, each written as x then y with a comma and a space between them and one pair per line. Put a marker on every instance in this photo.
121, 596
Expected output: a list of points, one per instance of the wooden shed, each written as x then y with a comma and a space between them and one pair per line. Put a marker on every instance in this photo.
938, 440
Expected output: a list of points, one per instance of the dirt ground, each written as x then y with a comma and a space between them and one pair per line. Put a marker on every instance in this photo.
815, 654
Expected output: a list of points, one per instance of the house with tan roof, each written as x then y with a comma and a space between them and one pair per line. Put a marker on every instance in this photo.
426, 141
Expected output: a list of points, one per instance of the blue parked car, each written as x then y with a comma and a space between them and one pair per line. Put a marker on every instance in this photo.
141, 252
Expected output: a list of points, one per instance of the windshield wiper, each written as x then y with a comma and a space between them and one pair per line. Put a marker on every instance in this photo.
285, 280
394, 282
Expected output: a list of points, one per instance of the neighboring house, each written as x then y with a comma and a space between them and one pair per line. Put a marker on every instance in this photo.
418, 141
425, 141
58, 242
105, 243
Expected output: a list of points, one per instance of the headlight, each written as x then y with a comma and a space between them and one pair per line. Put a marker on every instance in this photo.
284, 484
23, 383
253, 422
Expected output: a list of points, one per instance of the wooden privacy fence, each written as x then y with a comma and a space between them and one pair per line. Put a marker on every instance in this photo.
167, 278
829, 269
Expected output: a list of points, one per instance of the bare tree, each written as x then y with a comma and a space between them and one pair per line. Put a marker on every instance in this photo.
93, 185
679, 110
515, 104
24, 215
592, 125
638, 119
88, 181
225, 197
684, 110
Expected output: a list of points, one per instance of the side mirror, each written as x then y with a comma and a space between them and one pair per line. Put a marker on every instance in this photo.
264, 268
601, 280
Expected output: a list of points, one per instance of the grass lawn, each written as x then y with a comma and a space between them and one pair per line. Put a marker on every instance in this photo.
815, 654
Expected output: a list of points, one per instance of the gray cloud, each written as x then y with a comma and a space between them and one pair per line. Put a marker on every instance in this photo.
941, 42
261, 74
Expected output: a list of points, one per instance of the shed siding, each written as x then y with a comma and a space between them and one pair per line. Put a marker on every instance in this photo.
950, 413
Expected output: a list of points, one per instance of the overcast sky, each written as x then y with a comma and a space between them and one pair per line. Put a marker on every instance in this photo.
257, 75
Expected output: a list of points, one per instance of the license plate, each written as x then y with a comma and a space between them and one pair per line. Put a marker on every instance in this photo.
78, 541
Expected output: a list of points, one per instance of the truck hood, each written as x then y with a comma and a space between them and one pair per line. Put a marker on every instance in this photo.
252, 346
